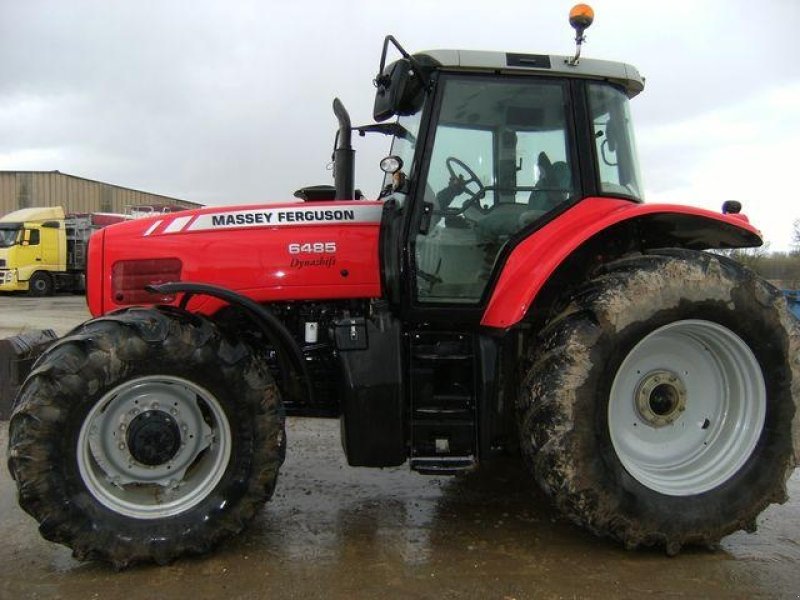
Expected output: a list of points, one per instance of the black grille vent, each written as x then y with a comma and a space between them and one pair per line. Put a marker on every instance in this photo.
2, 263
536, 61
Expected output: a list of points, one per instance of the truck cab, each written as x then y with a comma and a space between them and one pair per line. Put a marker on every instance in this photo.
32, 245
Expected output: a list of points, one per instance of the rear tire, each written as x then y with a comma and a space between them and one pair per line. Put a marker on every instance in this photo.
40, 284
659, 406
144, 436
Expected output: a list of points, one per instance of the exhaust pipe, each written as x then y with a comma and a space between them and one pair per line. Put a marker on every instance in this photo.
343, 155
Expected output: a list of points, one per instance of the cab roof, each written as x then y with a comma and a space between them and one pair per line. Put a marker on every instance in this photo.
619, 73
37, 213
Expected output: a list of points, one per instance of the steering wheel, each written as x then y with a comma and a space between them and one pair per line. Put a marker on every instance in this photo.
451, 162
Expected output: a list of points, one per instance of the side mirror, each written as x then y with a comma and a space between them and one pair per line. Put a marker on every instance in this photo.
398, 89
401, 85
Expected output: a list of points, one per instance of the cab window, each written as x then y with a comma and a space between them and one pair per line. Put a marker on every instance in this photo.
615, 147
501, 160
31, 237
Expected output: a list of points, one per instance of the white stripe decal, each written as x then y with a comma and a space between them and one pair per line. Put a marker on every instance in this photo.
153, 227
177, 224
287, 217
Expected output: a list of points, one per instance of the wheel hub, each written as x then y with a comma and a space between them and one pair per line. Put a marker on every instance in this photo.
153, 438
660, 398
154, 446
664, 441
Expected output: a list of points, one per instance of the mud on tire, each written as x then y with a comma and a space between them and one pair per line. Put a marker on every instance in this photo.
144, 436
660, 405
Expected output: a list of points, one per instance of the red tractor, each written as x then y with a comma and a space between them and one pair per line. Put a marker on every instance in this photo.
508, 290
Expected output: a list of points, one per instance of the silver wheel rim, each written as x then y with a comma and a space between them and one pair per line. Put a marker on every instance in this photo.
186, 476
687, 407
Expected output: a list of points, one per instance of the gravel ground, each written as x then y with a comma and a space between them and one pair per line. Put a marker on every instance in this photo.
333, 531
19, 313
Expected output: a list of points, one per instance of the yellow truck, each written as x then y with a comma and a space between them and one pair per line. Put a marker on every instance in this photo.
43, 250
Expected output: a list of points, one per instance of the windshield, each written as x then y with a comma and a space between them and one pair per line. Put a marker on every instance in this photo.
404, 145
615, 145
8, 237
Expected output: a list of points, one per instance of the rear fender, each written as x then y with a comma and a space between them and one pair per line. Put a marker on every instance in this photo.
618, 224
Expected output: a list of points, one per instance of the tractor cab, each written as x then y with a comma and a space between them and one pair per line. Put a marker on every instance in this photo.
487, 148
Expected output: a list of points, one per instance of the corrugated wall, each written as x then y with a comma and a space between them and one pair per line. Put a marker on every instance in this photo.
22, 189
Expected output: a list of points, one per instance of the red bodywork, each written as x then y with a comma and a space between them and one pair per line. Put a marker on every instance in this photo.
297, 251
289, 256
534, 260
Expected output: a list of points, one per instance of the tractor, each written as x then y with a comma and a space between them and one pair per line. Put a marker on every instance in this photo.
508, 291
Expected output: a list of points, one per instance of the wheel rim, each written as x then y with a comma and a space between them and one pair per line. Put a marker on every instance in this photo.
687, 407
154, 447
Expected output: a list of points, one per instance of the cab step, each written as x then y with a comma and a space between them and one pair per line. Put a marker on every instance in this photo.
451, 465
443, 407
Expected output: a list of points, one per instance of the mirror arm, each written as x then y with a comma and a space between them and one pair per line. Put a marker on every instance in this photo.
381, 78
394, 129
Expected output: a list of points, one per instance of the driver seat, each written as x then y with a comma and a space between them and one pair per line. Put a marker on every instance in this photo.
556, 185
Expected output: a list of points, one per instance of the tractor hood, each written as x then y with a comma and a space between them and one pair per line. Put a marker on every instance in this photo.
289, 251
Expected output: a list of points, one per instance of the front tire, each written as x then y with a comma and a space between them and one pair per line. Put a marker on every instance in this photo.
40, 285
144, 436
659, 406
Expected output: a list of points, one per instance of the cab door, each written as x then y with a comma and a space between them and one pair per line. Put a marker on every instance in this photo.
29, 251
501, 160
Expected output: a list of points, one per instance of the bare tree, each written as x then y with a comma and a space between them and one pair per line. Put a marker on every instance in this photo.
753, 258
796, 237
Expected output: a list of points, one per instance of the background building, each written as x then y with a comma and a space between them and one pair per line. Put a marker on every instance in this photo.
23, 189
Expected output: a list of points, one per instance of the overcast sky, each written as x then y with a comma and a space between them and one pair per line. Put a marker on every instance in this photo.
229, 102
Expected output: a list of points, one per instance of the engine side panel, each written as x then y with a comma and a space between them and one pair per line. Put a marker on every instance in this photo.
302, 251
535, 259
